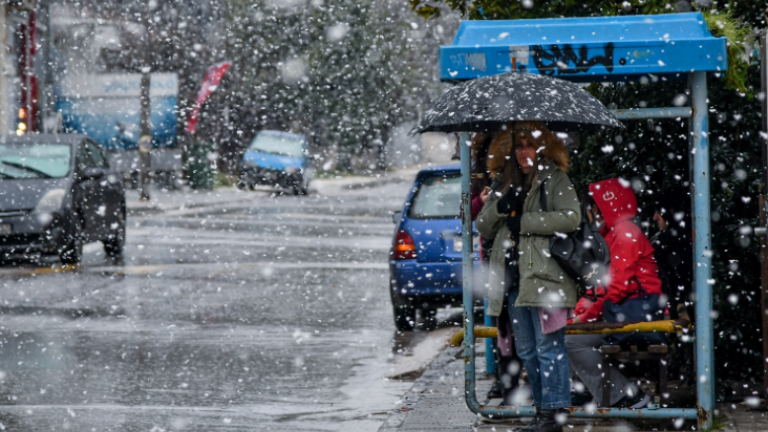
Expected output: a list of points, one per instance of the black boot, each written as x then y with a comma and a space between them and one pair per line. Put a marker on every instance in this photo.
530, 427
495, 391
545, 421
548, 421
509, 382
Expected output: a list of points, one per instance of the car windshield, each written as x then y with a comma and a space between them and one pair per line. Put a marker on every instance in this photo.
38, 160
438, 196
278, 144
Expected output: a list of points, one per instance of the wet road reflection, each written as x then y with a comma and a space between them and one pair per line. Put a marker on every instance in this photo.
273, 316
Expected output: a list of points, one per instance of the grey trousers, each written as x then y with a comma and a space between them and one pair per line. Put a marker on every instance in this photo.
586, 363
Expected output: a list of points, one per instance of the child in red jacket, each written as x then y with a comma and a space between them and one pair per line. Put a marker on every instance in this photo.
612, 205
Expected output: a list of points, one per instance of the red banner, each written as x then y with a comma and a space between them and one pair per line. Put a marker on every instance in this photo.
212, 79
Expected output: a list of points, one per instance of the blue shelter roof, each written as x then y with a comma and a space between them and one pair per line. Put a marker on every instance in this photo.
585, 49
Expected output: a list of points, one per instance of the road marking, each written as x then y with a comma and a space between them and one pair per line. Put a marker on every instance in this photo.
56, 268
155, 268
145, 269
187, 237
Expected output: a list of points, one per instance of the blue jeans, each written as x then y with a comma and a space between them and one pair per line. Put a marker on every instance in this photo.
544, 357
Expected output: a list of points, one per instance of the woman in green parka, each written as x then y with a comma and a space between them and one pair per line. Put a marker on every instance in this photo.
539, 293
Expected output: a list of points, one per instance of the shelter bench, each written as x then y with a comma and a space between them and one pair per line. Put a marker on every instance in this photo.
658, 353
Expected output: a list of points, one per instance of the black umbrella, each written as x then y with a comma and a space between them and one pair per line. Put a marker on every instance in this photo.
487, 103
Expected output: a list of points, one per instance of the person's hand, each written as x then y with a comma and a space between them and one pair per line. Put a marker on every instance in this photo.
576, 320
660, 221
484, 194
508, 202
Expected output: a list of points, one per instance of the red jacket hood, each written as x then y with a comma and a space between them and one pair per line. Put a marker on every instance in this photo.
616, 201
632, 255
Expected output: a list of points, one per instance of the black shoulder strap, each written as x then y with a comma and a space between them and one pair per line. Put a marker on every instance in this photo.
543, 196
640, 288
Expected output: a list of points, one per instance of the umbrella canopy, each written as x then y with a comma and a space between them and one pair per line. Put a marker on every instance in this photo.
487, 103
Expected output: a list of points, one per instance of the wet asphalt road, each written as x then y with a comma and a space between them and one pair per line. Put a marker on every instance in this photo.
265, 313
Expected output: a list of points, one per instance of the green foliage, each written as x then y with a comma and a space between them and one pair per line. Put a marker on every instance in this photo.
505, 9
343, 72
644, 152
750, 12
741, 39
737, 171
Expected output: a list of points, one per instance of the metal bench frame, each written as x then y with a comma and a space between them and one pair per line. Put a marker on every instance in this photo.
652, 352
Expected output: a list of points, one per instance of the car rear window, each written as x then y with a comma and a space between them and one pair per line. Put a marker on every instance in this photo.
278, 144
438, 196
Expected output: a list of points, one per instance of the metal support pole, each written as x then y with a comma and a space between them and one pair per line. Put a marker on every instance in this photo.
145, 138
5, 99
490, 357
764, 290
27, 73
145, 134
656, 113
466, 273
46, 102
764, 99
702, 252
763, 240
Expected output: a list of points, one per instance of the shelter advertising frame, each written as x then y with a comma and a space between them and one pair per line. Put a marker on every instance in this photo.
625, 48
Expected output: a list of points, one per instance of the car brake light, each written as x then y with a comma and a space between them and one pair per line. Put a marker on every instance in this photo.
404, 248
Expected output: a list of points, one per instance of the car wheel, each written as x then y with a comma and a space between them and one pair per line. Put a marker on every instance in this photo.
71, 252
403, 312
241, 184
115, 242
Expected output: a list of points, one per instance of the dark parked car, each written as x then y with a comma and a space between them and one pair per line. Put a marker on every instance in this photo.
425, 261
58, 192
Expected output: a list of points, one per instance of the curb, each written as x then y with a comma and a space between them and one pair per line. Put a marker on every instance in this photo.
143, 209
375, 182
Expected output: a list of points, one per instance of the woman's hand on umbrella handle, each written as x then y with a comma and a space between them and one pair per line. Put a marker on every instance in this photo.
484, 194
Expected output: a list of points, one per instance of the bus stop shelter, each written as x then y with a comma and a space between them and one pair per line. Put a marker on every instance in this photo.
624, 48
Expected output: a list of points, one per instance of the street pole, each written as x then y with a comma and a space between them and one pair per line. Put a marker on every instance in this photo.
28, 71
763, 200
4, 94
145, 134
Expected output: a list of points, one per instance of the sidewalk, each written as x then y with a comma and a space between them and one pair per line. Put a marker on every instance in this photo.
332, 186
163, 200
435, 403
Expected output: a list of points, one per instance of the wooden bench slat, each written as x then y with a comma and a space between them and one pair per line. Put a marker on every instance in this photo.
653, 349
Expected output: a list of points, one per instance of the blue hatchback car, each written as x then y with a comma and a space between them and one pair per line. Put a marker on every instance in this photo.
425, 260
277, 159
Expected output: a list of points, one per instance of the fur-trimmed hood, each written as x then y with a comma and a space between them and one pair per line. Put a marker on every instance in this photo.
556, 152
501, 163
